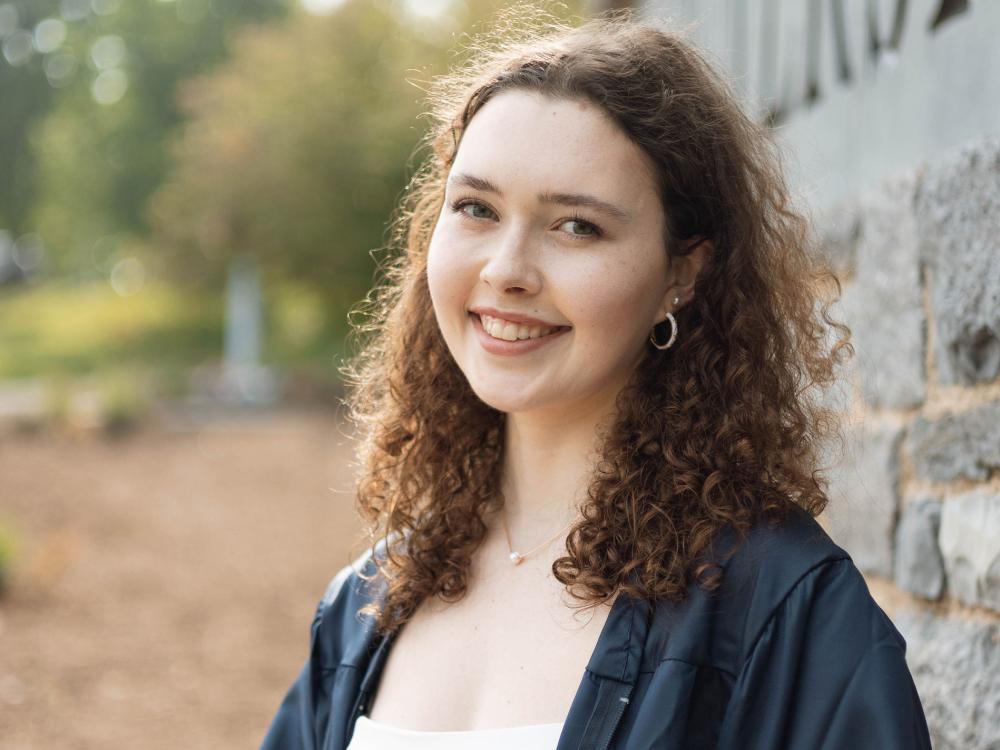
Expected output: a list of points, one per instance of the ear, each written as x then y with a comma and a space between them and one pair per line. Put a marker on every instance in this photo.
683, 271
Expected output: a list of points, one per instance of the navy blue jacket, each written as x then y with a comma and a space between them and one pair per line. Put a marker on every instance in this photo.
790, 653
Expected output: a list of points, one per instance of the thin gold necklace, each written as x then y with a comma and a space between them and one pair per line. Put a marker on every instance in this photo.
518, 557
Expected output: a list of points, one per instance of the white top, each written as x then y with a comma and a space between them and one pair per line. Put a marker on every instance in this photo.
373, 735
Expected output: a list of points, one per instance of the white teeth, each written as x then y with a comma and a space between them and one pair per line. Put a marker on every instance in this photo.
503, 329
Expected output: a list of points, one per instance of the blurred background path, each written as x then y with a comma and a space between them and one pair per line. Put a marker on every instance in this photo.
169, 580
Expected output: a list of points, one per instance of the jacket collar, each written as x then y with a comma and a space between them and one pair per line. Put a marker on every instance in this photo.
619, 649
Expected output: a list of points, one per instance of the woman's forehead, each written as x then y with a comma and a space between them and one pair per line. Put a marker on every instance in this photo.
523, 140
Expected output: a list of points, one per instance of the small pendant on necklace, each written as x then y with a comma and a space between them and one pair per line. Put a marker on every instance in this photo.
516, 558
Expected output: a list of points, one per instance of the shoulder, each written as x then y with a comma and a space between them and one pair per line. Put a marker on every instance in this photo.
340, 634
352, 570
775, 556
813, 660
788, 570
795, 572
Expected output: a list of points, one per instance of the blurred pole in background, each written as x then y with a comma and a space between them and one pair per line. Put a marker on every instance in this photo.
245, 379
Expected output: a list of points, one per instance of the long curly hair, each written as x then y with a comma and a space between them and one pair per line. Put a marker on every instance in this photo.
726, 427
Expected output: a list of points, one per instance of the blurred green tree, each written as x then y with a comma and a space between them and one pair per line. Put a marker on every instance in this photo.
25, 96
297, 148
88, 101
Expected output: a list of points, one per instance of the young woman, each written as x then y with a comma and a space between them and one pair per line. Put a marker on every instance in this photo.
590, 382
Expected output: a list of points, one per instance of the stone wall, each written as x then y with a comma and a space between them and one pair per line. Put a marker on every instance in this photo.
888, 112
857, 89
915, 498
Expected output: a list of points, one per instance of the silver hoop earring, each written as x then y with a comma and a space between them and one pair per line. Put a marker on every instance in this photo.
673, 333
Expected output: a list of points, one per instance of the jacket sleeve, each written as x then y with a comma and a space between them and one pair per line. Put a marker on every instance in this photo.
827, 671
301, 717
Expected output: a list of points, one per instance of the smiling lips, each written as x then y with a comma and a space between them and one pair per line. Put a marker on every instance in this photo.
506, 338
504, 329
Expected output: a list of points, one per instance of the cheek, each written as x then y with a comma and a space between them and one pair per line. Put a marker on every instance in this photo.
611, 305
436, 277
448, 274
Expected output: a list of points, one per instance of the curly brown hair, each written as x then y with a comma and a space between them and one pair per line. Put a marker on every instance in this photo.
724, 428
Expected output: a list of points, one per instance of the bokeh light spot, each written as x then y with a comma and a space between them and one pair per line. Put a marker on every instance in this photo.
60, 69
109, 86
74, 10
128, 276
427, 9
29, 250
49, 35
105, 7
321, 7
18, 47
107, 52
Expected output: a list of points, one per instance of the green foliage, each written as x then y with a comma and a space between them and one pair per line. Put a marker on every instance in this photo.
297, 328
123, 401
297, 148
290, 142
82, 329
26, 96
8, 551
59, 330
80, 170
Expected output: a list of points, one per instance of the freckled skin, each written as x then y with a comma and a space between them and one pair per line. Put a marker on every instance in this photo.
523, 255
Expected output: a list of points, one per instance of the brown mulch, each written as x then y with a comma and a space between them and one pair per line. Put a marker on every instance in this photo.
165, 581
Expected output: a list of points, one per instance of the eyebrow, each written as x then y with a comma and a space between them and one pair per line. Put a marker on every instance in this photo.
562, 199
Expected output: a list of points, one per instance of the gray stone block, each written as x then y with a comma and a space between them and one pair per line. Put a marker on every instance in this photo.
864, 491
970, 544
918, 565
956, 667
958, 210
884, 304
965, 445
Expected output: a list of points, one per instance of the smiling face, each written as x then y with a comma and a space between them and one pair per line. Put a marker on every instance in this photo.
507, 239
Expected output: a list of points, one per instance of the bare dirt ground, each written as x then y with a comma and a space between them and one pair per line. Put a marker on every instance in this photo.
165, 582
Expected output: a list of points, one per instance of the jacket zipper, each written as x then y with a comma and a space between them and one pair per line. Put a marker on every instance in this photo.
619, 711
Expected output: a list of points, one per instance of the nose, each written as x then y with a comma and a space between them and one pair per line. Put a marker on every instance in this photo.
511, 265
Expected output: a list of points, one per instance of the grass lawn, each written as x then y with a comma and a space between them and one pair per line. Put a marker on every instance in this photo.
61, 329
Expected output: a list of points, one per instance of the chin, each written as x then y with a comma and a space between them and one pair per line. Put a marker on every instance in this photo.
503, 399
502, 402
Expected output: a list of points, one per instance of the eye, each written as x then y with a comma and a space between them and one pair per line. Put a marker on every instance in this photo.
458, 205
593, 229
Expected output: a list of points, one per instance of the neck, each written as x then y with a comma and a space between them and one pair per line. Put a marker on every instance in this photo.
547, 467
